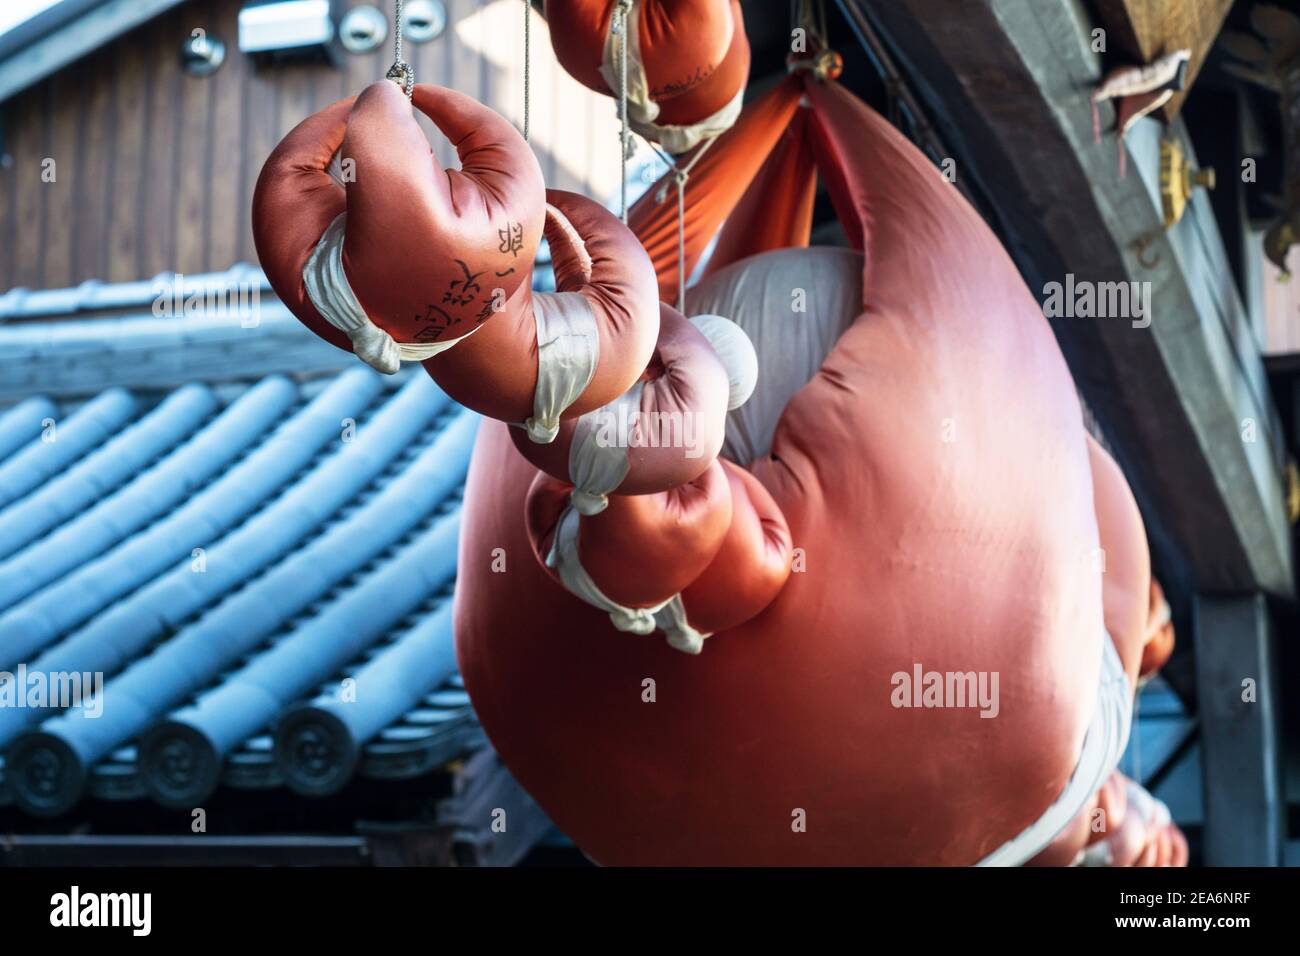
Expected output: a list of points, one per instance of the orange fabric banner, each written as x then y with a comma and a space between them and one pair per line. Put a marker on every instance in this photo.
714, 186
776, 210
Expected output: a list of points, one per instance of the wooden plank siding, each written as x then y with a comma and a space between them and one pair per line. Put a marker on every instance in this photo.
156, 168
126, 201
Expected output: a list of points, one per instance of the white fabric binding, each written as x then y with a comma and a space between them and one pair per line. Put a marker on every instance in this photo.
671, 619
678, 139
564, 558
1103, 745
670, 616
568, 349
756, 294
641, 109
331, 293
596, 465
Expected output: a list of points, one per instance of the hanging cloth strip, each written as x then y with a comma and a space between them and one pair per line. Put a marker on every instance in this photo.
564, 558
568, 351
598, 467
330, 292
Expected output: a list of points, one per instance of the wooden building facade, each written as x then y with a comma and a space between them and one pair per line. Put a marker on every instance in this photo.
154, 168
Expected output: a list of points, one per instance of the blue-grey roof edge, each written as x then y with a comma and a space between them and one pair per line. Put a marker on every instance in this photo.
64, 34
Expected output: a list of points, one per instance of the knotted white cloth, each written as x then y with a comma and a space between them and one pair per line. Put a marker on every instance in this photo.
568, 350
331, 293
598, 456
564, 558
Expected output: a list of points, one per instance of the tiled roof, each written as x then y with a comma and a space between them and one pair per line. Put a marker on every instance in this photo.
261, 570
95, 296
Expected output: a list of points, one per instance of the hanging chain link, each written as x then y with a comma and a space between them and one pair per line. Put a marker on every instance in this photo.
401, 72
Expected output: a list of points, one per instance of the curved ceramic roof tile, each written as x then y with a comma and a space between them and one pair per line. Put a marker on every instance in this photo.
197, 655
23, 423
150, 495
319, 743
116, 636
104, 469
324, 561
246, 702
173, 597
70, 439
40, 620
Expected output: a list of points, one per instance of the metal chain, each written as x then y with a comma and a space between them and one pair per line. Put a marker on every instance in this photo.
528, 19
401, 72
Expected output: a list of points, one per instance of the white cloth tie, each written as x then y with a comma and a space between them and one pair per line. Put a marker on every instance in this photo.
564, 559
331, 293
568, 350
671, 619
598, 458
642, 110
1103, 745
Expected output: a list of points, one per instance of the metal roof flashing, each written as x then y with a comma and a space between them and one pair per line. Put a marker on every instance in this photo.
64, 34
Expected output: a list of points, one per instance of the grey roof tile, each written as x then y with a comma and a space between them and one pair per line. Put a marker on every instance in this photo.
321, 558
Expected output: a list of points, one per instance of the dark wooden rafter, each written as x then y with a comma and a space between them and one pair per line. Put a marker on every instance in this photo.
1173, 397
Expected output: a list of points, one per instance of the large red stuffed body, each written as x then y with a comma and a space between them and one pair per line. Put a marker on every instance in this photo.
936, 482
1101, 834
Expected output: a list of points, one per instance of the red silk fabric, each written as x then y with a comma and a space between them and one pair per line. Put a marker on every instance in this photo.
937, 487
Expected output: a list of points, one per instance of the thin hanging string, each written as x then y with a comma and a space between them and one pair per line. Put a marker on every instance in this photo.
401, 72
680, 177
812, 18
528, 82
619, 28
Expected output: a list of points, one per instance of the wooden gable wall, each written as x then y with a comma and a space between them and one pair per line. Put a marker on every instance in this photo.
155, 168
